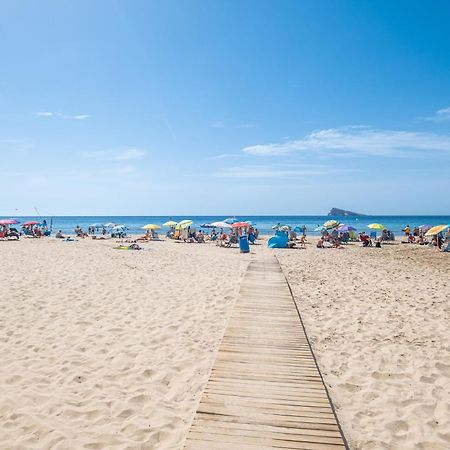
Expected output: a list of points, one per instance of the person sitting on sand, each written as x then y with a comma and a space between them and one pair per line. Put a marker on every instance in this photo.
365, 239
200, 237
421, 240
337, 243
320, 243
144, 238
79, 232
59, 235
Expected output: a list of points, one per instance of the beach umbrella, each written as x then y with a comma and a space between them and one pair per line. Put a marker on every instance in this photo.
207, 225
240, 225
98, 225
376, 226
297, 229
320, 228
425, 227
151, 226
30, 222
119, 228
8, 221
170, 223
110, 225
331, 224
230, 220
345, 228
221, 224
436, 230
183, 224
278, 225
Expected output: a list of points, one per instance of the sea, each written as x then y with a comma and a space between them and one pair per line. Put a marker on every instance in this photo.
264, 224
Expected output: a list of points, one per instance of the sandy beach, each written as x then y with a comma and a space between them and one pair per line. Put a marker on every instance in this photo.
109, 349
378, 323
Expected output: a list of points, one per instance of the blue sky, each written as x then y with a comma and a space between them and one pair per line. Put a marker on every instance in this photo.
225, 107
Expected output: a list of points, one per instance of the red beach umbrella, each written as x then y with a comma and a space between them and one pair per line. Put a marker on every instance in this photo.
30, 222
8, 221
240, 225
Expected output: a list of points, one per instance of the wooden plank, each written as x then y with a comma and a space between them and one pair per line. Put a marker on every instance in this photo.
199, 421
271, 443
265, 390
277, 433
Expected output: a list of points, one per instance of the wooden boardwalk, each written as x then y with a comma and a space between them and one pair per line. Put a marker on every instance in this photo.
265, 390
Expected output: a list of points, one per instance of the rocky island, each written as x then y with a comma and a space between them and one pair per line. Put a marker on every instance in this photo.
343, 212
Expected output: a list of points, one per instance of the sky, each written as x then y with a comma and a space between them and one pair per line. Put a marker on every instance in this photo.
225, 107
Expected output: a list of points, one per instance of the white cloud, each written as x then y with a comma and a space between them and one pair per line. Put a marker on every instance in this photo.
124, 155
226, 155
48, 114
267, 171
64, 116
362, 140
442, 115
78, 117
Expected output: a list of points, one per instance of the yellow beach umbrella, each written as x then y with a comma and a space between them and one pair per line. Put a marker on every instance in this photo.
436, 230
183, 224
376, 226
151, 226
170, 223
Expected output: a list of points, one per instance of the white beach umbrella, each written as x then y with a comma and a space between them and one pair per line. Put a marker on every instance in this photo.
221, 224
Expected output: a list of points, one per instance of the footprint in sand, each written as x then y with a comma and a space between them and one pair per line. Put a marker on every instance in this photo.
398, 427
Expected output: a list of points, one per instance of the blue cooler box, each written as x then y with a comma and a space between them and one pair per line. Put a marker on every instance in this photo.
243, 244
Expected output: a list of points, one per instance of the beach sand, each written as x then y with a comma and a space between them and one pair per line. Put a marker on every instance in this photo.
109, 349
378, 320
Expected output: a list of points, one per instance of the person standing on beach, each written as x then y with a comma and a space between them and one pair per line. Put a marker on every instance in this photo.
304, 230
407, 231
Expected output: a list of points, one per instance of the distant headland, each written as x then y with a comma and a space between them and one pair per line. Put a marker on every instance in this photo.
343, 212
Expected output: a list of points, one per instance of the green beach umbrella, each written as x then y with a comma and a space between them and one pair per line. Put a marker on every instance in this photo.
376, 226
183, 224
169, 223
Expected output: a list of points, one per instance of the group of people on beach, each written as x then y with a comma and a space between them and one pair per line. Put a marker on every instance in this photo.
418, 236
190, 235
31, 230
